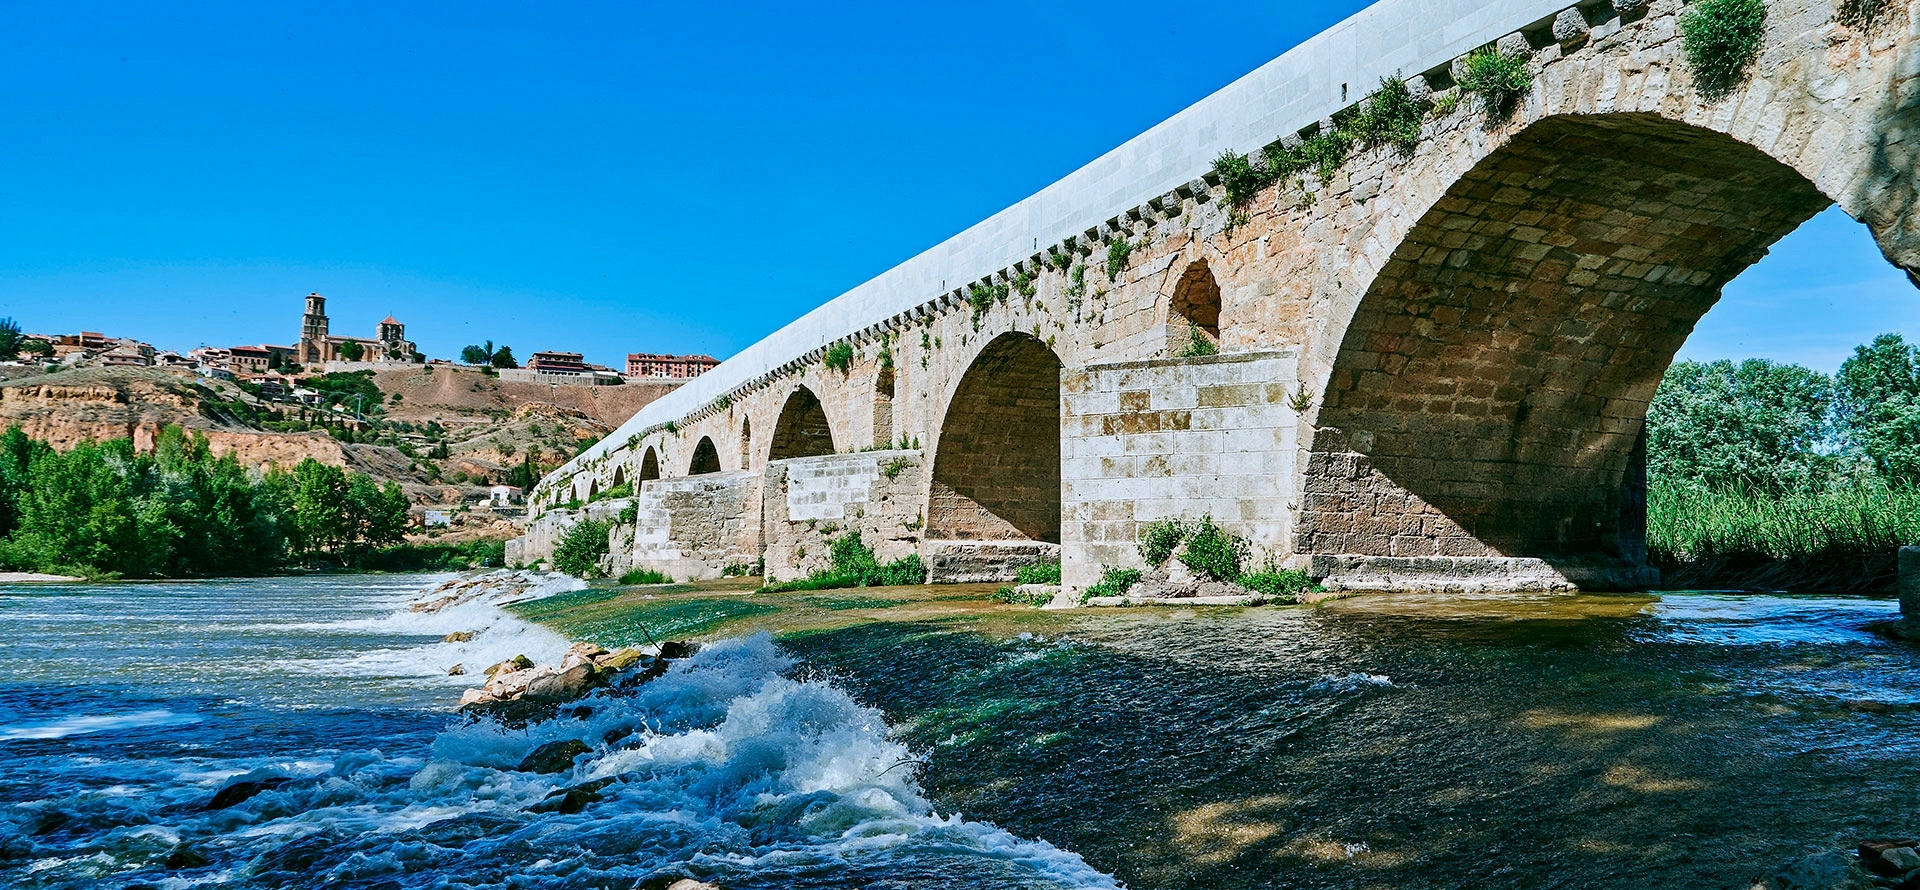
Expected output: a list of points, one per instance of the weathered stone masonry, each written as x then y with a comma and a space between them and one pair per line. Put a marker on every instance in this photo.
1433, 367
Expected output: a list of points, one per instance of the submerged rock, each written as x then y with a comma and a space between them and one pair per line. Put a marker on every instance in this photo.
183, 857
457, 670
235, 793
458, 636
553, 757
1832, 870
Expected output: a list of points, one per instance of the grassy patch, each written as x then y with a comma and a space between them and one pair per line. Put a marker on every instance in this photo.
1038, 573
854, 565
1689, 524
1279, 585
839, 357
1113, 582
588, 615
643, 576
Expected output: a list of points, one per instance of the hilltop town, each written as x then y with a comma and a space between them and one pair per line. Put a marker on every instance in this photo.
463, 438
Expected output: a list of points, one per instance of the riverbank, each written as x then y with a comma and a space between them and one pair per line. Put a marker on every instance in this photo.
1406, 740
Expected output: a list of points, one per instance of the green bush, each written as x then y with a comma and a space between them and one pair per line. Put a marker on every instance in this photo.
623, 490
1117, 253
643, 576
1212, 552
981, 296
1160, 538
1113, 582
1038, 573
1497, 78
1390, 116
839, 357
1721, 39
580, 550
1197, 343
854, 565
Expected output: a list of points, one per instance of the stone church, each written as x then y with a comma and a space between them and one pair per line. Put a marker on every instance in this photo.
389, 342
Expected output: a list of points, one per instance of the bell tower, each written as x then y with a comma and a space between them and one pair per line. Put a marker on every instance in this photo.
313, 330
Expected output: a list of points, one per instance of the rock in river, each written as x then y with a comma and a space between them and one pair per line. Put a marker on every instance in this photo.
553, 757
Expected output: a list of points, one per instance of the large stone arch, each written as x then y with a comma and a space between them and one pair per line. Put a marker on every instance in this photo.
802, 429
649, 466
1489, 390
996, 467
706, 458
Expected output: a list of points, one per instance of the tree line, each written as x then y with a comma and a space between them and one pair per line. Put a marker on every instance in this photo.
108, 510
1773, 428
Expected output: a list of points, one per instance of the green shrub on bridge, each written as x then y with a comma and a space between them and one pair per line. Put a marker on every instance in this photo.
1498, 78
1721, 39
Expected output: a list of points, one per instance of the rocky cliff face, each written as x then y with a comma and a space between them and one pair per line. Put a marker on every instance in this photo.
98, 404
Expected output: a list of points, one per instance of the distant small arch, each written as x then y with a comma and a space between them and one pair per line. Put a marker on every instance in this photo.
883, 408
746, 441
706, 458
619, 476
1193, 313
649, 466
802, 430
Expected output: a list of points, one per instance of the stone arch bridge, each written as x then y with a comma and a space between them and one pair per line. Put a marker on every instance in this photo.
1429, 370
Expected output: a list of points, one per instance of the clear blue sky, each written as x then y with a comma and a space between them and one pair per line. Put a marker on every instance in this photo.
618, 177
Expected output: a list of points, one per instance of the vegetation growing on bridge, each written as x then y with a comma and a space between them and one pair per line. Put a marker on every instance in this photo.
1498, 78
1721, 39
1388, 116
1861, 13
1117, 253
839, 357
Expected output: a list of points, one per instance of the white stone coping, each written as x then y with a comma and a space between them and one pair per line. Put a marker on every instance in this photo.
1324, 74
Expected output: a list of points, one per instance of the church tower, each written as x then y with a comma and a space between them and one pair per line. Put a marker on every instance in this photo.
313, 331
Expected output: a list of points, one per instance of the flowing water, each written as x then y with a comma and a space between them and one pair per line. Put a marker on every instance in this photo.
126, 708
1688, 740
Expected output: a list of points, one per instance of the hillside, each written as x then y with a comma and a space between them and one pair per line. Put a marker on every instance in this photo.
444, 434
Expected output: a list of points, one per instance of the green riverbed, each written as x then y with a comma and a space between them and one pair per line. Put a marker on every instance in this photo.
1684, 740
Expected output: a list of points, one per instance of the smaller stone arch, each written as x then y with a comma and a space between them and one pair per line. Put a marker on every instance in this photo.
746, 442
1193, 312
883, 408
802, 430
593, 488
619, 476
649, 466
706, 458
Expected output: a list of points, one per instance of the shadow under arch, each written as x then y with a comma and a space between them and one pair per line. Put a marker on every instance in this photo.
706, 458
802, 429
1490, 390
649, 466
996, 469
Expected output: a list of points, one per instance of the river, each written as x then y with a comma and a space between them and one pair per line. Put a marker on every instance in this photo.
923, 738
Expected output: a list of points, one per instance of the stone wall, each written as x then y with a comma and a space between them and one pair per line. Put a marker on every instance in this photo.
810, 501
1176, 439
692, 528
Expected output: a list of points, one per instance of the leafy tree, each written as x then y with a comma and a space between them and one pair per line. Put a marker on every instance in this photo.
503, 358
1756, 425
579, 552
37, 347
352, 351
478, 355
9, 339
1878, 405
